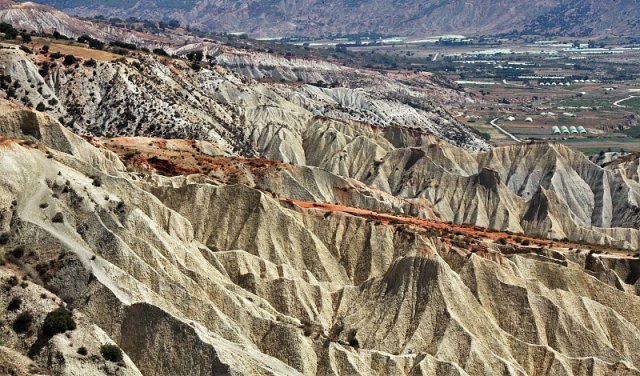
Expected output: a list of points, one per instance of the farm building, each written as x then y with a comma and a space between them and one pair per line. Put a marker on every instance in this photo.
573, 129
511, 118
529, 120
564, 129
581, 129
555, 130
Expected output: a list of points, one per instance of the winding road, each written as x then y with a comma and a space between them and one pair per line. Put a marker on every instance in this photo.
502, 130
617, 103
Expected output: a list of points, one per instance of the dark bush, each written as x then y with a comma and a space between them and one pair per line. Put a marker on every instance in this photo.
351, 338
14, 304
93, 43
26, 37
97, 181
41, 107
111, 353
4, 238
12, 281
195, 56
502, 241
69, 60
128, 46
83, 351
58, 321
58, 218
160, 51
335, 331
18, 252
23, 322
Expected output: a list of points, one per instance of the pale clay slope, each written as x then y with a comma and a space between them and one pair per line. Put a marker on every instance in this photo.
171, 100
314, 126
224, 276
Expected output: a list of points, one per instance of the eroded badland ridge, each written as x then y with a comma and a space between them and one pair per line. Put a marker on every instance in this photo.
269, 216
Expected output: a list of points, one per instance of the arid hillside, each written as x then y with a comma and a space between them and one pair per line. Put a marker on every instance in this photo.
247, 266
227, 211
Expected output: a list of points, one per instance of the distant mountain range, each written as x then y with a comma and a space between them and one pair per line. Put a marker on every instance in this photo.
404, 17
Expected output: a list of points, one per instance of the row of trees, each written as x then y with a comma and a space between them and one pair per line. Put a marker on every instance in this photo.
12, 33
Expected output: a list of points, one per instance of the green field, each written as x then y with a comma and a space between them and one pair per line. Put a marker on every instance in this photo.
632, 104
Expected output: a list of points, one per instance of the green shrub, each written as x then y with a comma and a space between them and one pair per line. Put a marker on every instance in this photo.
111, 353
58, 321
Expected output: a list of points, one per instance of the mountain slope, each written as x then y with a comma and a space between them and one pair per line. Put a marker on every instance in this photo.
189, 275
385, 131
314, 17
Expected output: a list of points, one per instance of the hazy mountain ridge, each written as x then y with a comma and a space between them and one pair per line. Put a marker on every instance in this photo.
315, 17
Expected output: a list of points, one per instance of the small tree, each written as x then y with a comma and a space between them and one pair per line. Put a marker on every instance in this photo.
9, 31
26, 37
160, 51
111, 353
